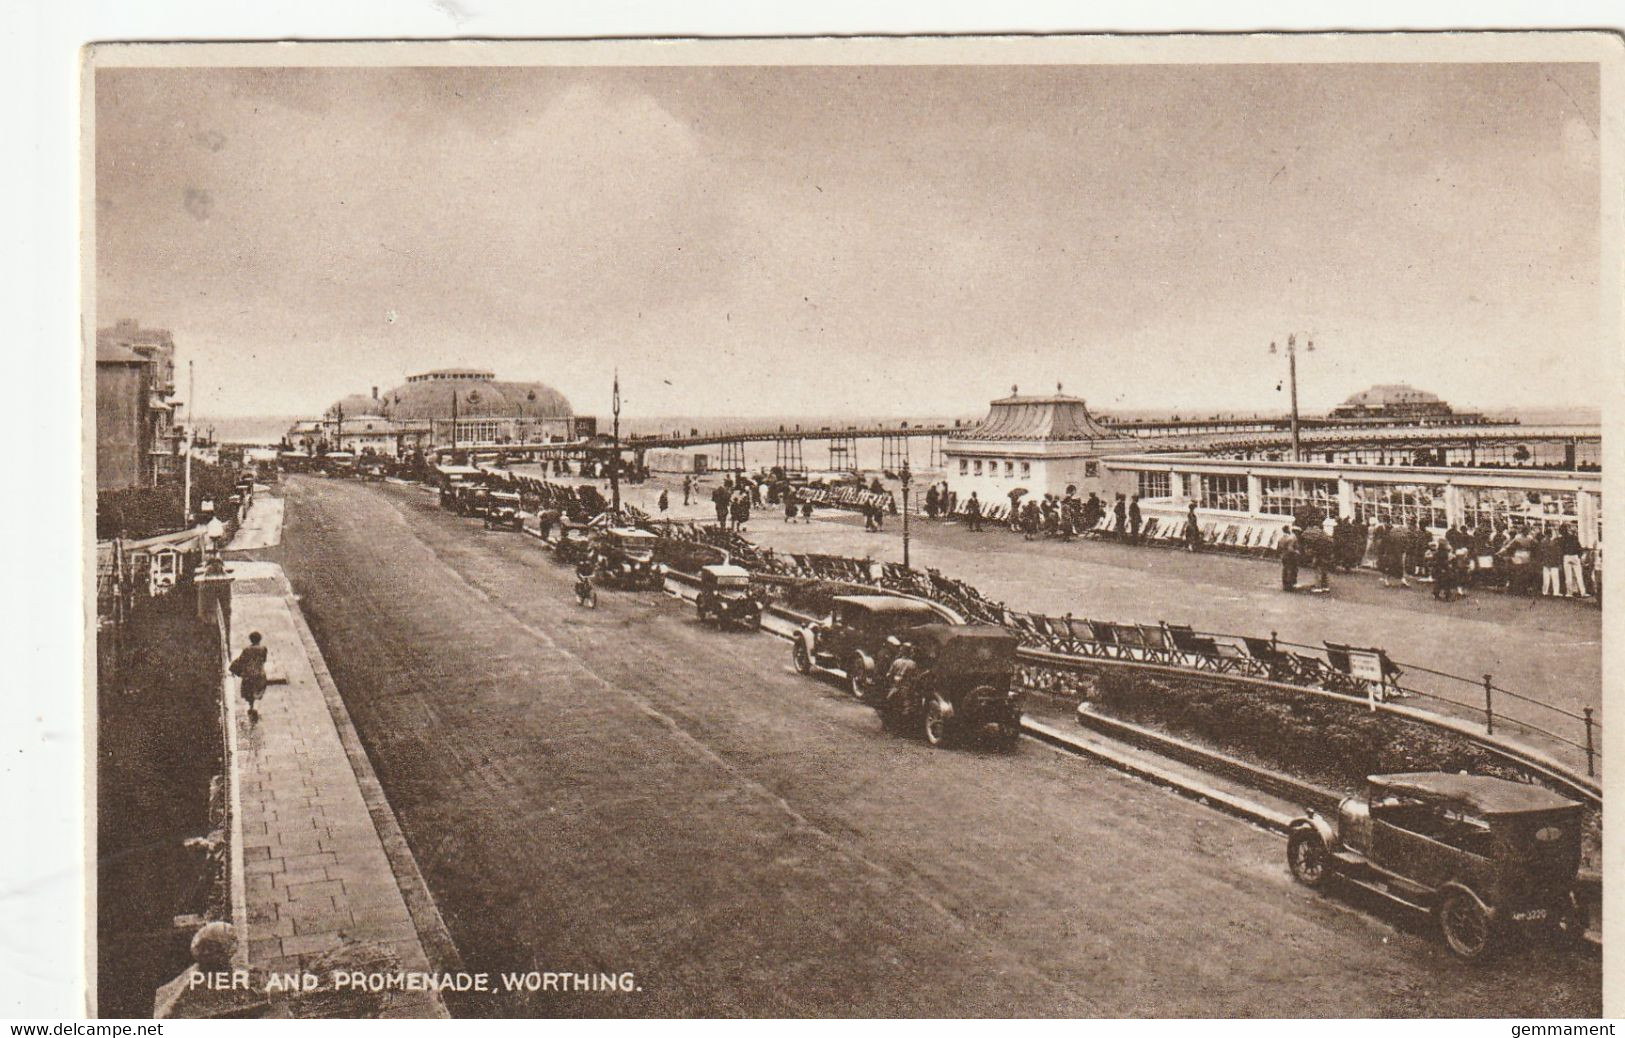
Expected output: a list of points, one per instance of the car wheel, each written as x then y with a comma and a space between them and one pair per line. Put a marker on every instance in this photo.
1465, 925
1010, 736
935, 726
1307, 858
798, 653
858, 680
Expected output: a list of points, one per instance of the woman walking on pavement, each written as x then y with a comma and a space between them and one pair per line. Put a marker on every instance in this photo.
249, 666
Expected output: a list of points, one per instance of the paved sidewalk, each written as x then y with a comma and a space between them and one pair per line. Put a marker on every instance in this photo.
320, 891
262, 527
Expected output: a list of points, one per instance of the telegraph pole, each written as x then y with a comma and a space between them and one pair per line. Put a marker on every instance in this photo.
615, 459
1292, 374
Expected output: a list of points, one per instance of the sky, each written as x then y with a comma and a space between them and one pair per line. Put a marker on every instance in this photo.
769, 241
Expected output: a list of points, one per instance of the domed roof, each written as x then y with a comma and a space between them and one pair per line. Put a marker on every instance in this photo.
478, 396
1386, 395
355, 405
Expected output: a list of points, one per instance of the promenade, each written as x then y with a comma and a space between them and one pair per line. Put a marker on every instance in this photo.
320, 850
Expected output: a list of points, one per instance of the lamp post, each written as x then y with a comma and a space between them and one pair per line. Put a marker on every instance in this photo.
1292, 370
906, 477
615, 458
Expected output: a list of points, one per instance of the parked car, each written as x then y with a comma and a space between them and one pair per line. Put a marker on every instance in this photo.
626, 558
1490, 859
949, 682
851, 640
371, 469
571, 541
727, 598
501, 510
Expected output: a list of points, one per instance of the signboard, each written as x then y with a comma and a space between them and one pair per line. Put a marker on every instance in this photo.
1366, 666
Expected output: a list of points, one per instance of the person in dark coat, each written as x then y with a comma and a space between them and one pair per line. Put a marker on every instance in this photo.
719, 499
249, 666
1134, 520
973, 513
1119, 517
1193, 529
1290, 548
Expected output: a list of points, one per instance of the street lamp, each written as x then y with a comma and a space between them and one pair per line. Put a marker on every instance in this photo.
615, 459
1292, 368
905, 477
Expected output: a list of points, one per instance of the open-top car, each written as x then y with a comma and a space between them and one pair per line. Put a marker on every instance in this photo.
501, 510
852, 640
1489, 858
626, 558
947, 682
726, 597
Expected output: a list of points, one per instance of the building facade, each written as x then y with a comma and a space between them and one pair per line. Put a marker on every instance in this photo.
137, 439
464, 407
1038, 444
1256, 498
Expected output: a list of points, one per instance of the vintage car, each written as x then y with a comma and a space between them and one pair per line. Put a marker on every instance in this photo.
571, 541
852, 640
726, 597
371, 469
337, 463
961, 682
626, 558
501, 510
469, 499
1489, 858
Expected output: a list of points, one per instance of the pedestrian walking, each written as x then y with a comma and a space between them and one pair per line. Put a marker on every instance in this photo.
973, 513
665, 502
1134, 520
688, 488
719, 500
1120, 517
1193, 527
789, 505
249, 668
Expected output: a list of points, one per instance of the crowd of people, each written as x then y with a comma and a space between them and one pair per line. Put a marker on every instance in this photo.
1522, 560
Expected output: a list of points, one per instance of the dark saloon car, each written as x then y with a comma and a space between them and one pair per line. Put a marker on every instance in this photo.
501, 510
852, 640
951, 682
726, 597
626, 558
1489, 858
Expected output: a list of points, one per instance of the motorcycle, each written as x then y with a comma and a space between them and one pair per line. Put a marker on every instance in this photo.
586, 594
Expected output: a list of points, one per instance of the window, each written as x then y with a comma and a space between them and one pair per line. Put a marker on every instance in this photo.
978, 466
1225, 493
1506, 506
1091, 469
1152, 485
964, 466
1278, 496
1400, 504
1009, 468
1026, 469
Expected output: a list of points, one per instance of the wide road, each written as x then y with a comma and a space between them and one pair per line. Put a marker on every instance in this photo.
623, 789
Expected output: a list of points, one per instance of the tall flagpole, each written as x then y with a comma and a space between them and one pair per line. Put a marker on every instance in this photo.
615, 459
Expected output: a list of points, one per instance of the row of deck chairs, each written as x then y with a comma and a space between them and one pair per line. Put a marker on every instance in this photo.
1178, 645
844, 497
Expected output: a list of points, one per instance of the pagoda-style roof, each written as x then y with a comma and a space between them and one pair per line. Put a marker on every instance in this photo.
1039, 418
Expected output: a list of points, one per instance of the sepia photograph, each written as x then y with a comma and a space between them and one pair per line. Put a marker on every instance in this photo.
1084, 527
